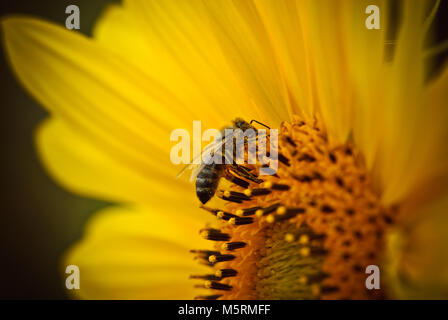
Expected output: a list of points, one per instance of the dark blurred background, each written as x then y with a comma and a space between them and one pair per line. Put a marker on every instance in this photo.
38, 219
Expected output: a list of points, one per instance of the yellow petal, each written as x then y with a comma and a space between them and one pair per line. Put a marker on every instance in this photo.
136, 254
326, 31
220, 44
366, 53
82, 166
417, 255
105, 99
412, 118
117, 30
289, 33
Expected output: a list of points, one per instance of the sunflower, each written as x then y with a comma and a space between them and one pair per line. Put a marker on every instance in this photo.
362, 162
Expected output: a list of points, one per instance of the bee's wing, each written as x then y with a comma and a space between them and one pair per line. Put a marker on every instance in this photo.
185, 168
205, 154
193, 164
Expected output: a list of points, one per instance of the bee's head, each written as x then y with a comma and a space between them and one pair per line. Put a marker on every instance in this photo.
241, 124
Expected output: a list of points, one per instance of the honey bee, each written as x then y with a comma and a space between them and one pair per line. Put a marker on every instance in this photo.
208, 174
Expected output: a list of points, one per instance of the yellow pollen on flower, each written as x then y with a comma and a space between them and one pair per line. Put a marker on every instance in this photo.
304, 239
281, 210
239, 212
307, 232
289, 237
305, 252
303, 280
267, 184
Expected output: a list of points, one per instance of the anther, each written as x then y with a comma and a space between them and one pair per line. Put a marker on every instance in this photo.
205, 254
332, 157
241, 195
209, 297
220, 257
291, 142
229, 246
232, 199
248, 192
225, 273
327, 209
288, 213
283, 159
250, 211
239, 182
214, 235
270, 218
280, 187
260, 192
206, 277
307, 158
224, 215
271, 208
238, 221
217, 286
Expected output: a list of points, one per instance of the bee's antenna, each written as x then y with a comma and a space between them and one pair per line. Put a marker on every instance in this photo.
259, 123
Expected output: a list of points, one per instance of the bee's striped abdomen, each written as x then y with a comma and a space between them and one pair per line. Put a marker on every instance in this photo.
207, 181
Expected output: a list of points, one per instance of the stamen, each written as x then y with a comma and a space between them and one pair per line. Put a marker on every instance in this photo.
268, 210
225, 215
220, 257
250, 211
231, 199
238, 221
225, 273
233, 245
243, 196
214, 235
283, 160
240, 182
284, 213
205, 277
210, 297
307, 158
260, 192
217, 286
281, 187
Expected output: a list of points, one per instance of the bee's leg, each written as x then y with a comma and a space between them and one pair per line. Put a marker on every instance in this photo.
230, 176
244, 173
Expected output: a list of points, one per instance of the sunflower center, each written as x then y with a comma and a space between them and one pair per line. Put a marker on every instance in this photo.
308, 232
